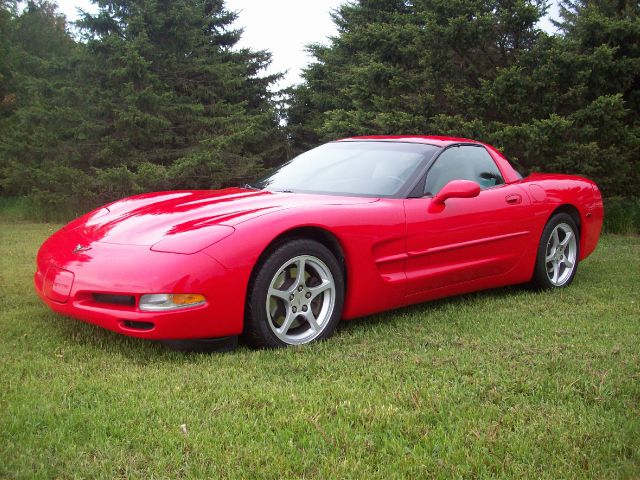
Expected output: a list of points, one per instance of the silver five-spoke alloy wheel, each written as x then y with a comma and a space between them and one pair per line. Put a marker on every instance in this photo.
561, 252
300, 300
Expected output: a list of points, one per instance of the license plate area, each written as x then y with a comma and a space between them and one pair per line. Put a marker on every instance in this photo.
57, 284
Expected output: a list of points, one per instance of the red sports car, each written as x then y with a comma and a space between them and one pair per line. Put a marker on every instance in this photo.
347, 229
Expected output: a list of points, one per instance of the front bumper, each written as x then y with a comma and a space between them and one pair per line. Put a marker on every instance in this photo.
77, 284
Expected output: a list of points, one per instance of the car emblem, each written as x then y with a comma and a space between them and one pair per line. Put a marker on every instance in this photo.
80, 248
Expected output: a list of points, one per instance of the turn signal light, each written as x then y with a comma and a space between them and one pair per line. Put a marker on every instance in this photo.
157, 302
187, 298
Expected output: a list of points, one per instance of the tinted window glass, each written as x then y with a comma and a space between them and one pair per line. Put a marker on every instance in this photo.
463, 163
351, 168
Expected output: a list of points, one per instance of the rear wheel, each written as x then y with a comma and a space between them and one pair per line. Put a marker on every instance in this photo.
296, 296
558, 253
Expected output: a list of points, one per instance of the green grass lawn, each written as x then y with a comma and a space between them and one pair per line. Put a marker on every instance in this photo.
508, 383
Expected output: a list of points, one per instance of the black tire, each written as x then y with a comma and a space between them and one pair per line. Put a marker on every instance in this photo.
258, 327
542, 272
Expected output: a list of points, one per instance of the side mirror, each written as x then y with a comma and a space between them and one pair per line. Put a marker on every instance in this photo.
457, 189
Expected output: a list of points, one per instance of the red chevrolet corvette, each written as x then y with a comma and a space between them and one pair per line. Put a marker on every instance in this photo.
347, 229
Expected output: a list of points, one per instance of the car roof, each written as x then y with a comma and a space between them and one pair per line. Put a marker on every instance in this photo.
426, 139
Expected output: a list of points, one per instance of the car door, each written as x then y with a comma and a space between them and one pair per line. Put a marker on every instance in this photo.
465, 238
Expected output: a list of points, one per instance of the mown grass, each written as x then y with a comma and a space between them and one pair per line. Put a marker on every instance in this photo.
508, 383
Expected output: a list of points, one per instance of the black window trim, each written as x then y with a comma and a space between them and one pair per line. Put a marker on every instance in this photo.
423, 176
407, 191
402, 192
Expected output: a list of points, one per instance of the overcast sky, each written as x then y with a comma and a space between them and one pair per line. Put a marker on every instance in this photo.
282, 26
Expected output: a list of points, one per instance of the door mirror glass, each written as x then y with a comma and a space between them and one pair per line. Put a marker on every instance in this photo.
457, 189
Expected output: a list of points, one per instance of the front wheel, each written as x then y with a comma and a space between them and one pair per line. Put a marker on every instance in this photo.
558, 253
296, 296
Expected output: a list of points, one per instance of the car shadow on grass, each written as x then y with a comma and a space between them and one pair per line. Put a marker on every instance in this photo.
392, 317
142, 350
88, 336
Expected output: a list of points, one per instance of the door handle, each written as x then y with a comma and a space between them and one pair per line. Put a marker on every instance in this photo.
513, 199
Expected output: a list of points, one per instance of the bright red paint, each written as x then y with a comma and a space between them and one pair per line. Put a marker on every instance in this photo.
456, 189
397, 251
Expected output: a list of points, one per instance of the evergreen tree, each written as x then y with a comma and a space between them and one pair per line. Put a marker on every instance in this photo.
364, 81
396, 64
7, 15
156, 96
587, 85
484, 69
38, 118
173, 98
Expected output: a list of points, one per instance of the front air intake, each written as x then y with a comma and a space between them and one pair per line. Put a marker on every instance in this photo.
142, 326
126, 300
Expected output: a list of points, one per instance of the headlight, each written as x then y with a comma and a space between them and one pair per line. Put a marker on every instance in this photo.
158, 302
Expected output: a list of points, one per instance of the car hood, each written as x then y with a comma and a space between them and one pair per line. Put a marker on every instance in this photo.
149, 218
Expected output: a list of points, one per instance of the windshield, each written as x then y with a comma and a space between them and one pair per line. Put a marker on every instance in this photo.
350, 168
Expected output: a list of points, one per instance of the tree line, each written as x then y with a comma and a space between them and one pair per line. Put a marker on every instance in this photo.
152, 95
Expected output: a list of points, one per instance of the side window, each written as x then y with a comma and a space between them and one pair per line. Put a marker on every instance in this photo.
463, 163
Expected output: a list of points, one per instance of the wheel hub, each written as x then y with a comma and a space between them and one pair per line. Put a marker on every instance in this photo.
300, 300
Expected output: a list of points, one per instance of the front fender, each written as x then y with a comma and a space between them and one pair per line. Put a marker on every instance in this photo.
372, 237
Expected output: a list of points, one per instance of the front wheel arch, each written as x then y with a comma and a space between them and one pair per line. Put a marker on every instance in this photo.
256, 320
318, 234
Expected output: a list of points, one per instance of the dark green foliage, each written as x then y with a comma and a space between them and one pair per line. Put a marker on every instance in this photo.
483, 69
156, 96
7, 12
153, 98
622, 215
37, 111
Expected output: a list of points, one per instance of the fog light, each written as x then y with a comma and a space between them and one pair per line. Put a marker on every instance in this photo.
156, 302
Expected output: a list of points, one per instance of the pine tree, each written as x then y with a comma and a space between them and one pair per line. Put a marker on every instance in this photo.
484, 69
396, 64
364, 81
587, 83
155, 96
7, 15
38, 113
174, 98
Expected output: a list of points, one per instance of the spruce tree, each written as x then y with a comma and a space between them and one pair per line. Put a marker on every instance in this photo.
156, 95
39, 114
484, 69
588, 89
173, 98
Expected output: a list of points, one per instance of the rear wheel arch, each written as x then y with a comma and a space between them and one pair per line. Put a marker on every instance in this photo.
570, 210
574, 213
558, 252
